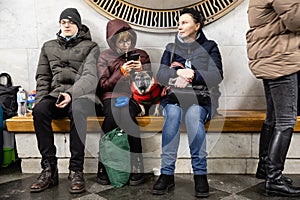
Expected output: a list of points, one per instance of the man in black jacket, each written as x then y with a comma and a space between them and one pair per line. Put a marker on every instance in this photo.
66, 82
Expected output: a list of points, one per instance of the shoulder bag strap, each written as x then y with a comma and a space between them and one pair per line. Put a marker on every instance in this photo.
172, 53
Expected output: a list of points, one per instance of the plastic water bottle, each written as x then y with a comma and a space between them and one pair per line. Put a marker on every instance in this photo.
31, 101
21, 98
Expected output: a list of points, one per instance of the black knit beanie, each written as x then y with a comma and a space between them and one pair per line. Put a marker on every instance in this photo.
71, 14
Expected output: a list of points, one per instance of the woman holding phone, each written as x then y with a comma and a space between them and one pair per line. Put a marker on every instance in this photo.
114, 67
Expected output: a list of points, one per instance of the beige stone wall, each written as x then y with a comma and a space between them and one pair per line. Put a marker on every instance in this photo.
26, 24
228, 153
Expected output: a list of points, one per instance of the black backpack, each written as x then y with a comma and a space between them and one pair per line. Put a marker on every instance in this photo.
8, 97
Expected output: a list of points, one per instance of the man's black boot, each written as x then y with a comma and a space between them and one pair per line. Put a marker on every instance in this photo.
77, 184
47, 178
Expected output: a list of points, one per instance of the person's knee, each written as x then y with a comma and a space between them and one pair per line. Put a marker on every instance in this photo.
83, 107
39, 110
172, 111
196, 113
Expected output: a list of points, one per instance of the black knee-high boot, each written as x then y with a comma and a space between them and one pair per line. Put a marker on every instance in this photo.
279, 146
264, 141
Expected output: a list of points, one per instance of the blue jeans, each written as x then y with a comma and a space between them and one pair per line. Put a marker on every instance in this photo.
195, 118
281, 98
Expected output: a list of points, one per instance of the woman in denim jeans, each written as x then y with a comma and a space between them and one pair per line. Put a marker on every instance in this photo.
191, 60
273, 45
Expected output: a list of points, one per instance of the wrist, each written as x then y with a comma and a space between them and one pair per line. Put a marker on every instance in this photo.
123, 71
178, 72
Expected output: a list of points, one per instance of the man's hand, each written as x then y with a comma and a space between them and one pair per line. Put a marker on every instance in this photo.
65, 102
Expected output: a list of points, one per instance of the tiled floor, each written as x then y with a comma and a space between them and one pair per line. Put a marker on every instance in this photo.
15, 185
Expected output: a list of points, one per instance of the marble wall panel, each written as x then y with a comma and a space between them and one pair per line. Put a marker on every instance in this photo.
14, 62
232, 145
226, 166
27, 145
40, 23
18, 25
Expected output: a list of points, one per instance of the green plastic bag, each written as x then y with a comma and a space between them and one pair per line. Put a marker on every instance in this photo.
115, 155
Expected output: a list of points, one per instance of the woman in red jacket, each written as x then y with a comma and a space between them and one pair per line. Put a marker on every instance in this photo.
114, 67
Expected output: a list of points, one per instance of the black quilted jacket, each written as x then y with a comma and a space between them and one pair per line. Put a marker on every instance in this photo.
68, 67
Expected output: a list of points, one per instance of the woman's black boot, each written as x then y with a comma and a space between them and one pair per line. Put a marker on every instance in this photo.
102, 177
264, 143
137, 170
163, 184
279, 146
201, 186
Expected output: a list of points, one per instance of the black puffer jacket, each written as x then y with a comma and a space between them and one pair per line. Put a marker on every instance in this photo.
205, 59
68, 66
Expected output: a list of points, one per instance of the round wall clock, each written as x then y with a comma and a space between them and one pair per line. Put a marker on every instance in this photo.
160, 15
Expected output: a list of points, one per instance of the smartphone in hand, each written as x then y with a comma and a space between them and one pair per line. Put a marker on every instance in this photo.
134, 56
60, 98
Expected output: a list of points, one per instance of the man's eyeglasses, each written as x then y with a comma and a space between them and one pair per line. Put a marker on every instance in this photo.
63, 22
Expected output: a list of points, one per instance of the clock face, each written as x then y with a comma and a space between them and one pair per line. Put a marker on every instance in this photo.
160, 15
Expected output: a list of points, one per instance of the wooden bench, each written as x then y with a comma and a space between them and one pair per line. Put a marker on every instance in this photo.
232, 143
229, 121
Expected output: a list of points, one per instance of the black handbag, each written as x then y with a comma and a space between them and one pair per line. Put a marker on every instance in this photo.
197, 94
192, 94
8, 97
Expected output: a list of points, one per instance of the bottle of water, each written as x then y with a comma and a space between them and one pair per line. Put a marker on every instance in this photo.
31, 101
21, 98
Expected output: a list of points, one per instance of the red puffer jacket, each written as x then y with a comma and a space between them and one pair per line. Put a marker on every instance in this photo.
113, 83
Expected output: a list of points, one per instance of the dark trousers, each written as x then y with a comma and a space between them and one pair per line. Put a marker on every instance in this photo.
281, 99
124, 118
77, 111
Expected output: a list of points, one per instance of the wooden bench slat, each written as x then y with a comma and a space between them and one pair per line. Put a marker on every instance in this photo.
230, 121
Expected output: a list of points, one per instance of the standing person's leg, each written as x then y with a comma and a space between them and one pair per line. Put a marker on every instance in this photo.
43, 113
284, 91
266, 133
170, 143
78, 112
195, 118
